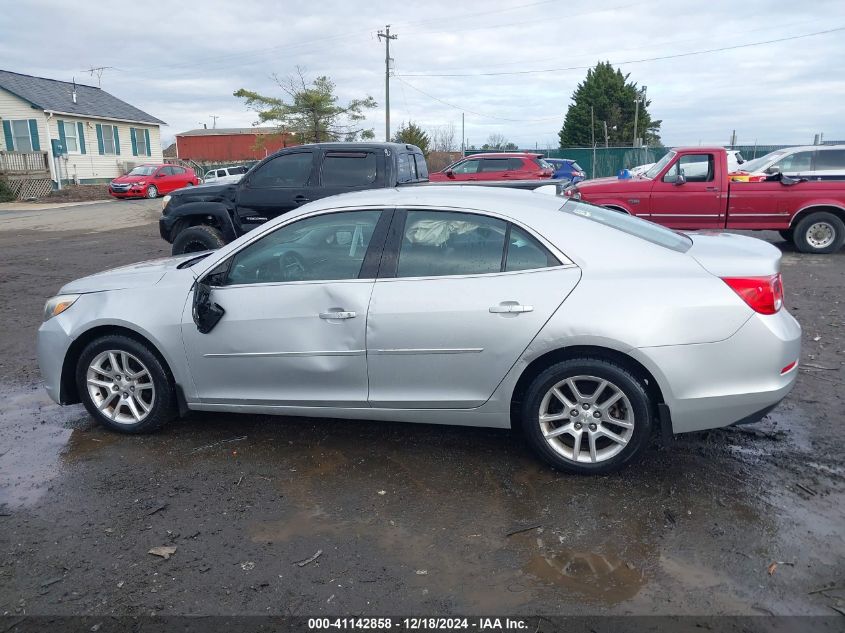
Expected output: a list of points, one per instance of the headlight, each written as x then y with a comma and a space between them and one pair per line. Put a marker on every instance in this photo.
58, 304
164, 201
141, 183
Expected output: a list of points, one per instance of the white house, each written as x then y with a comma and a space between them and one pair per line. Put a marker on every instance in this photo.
102, 136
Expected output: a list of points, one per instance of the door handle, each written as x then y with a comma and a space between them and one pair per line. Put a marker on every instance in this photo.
300, 199
341, 314
510, 307
712, 188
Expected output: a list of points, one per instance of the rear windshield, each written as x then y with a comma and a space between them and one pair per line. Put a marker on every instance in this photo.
577, 167
637, 227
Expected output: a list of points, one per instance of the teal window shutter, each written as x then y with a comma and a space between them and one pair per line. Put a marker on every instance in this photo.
147, 139
100, 139
80, 133
33, 135
116, 141
132, 137
7, 132
62, 137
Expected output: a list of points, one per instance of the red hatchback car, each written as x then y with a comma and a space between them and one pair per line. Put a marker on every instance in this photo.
516, 166
150, 181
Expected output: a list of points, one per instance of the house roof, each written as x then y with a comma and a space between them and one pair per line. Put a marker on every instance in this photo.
57, 96
227, 131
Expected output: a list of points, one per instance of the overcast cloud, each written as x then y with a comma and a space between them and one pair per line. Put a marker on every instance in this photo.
181, 61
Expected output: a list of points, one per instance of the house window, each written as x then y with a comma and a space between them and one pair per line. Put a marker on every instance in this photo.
71, 141
141, 142
108, 139
20, 134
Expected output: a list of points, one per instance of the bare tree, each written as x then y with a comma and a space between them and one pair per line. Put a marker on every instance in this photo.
496, 141
443, 138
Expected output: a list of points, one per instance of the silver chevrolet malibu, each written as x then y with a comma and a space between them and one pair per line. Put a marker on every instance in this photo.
586, 329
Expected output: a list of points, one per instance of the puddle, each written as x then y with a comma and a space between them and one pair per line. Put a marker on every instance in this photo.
32, 443
593, 577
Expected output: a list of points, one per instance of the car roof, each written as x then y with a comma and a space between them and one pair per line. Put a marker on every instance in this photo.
351, 145
504, 155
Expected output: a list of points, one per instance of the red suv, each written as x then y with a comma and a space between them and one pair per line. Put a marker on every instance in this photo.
150, 181
496, 167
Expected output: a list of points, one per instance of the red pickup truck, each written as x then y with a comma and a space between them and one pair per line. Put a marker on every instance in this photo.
690, 188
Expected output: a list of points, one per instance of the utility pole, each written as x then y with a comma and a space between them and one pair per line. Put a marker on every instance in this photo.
604, 123
215, 117
593, 140
640, 97
463, 135
387, 37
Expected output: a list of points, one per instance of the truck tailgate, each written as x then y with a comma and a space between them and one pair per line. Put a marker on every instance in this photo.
726, 254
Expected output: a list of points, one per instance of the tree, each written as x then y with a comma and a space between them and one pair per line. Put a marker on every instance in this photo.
413, 135
612, 98
498, 141
310, 110
443, 139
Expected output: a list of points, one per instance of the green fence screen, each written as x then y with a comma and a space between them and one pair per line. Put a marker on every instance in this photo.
609, 161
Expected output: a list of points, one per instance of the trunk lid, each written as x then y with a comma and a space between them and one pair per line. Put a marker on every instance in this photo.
729, 255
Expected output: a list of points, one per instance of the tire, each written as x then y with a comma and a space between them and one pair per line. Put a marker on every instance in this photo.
197, 238
787, 234
601, 455
136, 402
152, 192
820, 232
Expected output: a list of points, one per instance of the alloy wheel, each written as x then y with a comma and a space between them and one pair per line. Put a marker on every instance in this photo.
152, 192
586, 419
120, 386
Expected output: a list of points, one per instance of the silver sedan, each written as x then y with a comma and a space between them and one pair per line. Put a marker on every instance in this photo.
586, 329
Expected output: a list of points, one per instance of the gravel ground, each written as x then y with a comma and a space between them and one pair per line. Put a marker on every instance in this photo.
408, 518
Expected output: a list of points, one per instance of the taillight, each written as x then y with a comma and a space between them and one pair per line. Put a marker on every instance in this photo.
762, 294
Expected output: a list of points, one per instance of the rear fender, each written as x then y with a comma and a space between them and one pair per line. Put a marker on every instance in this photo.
197, 212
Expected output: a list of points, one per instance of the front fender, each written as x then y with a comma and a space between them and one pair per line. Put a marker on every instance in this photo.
200, 210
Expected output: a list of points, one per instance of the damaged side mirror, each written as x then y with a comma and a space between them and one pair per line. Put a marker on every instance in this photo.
206, 313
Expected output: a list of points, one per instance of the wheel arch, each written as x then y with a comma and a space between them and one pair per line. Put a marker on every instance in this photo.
541, 363
817, 208
617, 207
213, 214
69, 393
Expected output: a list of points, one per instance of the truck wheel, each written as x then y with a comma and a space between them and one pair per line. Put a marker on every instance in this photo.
787, 234
197, 238
820, 232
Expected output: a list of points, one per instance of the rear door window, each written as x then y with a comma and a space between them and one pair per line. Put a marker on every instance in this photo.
349, 169
493, 164
515, 164
526, 253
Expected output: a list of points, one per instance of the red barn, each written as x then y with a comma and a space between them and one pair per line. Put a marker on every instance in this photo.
223, 145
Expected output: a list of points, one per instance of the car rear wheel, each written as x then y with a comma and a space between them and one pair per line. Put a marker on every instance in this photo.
820, 232
152, 191
124, 385
587, 416
197, 238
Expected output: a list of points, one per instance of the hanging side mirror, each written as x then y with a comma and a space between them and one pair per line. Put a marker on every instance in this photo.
206, 313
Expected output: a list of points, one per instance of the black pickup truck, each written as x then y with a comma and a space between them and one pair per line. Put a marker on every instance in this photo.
209, 216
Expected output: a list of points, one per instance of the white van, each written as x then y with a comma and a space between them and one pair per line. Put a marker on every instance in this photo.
815, 162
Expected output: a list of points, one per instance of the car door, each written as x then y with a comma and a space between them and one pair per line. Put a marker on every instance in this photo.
294, 327
161, 179
493, 169
178, 178
465, 170
276, 186
453, 309
694, 202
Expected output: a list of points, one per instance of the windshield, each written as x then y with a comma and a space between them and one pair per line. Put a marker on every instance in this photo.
631, 225
143, 170
761, 163
659, 165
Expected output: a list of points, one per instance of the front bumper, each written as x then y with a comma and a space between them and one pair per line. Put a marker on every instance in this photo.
712, 385
53, 343
132, 192
166, 224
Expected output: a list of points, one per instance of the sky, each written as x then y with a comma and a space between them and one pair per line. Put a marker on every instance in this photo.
181, 61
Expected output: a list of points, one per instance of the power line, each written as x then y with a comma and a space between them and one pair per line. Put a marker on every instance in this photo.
481, 114
630, 61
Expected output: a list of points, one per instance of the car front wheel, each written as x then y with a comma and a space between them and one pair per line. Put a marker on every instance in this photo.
124, 385
195, 239
152, 192
587, 416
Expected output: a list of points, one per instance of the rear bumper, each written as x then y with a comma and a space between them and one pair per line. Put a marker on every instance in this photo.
734, 381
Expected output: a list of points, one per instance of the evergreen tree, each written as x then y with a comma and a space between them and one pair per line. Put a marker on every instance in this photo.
612, 97
413, 134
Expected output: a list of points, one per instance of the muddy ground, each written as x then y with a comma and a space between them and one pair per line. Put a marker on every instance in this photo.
409, 518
